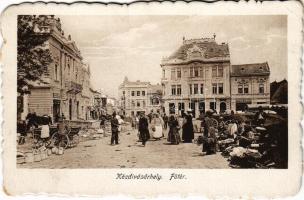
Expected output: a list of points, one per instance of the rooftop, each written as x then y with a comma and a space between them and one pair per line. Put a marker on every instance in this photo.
206, 49
250, 69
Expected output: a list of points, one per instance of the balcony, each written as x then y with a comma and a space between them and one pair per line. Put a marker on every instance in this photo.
73, 87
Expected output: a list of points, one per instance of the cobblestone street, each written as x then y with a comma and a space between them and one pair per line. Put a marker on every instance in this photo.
130, 154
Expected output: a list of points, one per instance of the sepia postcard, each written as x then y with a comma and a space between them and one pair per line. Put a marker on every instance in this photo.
152, 99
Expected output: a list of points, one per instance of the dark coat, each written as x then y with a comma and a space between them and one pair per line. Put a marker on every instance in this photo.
188, 134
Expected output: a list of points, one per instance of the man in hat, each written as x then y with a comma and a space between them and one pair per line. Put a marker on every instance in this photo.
143, 129
114, 127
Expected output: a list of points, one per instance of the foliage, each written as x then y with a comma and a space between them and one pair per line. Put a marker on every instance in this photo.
32, 55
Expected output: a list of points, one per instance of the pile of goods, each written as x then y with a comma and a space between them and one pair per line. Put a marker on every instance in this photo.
251, 149
37, 155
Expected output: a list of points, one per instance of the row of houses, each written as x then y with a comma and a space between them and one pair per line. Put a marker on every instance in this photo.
64, 88
199, 76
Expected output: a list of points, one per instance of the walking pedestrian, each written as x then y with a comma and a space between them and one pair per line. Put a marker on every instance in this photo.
114, 128
157, 127
143, 129
173, 135
188, 134
165, 119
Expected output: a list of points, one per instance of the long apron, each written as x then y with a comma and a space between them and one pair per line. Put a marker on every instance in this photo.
158, 133
45, 131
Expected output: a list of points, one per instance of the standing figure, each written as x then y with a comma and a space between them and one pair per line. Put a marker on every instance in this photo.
114, 127
260, 117
173, 135
165, 119
45, 129
157, 127
188, 134
143, 129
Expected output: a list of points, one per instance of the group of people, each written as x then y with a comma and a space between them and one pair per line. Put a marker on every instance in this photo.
154, 126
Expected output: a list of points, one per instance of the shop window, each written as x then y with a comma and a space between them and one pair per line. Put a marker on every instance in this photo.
171, 108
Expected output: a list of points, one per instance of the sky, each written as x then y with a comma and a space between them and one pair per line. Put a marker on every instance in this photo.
133, 46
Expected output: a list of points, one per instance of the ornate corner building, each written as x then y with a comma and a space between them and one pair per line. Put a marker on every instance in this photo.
199, 76
65, 87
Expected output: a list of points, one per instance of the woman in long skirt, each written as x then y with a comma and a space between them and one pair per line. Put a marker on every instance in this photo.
188, 134
173, 135
157, 127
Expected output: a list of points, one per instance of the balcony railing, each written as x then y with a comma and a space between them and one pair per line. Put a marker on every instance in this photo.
73, 87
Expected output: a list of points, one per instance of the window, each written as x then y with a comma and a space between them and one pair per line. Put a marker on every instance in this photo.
178, 89
123, 92
69, 70
133, 103
246, 90
173, 90
144, 103
202, 88
143, 93
138, 93
195, 86
217, 71
220, 71
191, 71
214, 71
190, 89
132, 93
171, 108
196, 72
138, 104
261, 88
240, 89
56, 72
201, 72
164, 74
173, 77
214, 88
179, 73
220, 88
213, 105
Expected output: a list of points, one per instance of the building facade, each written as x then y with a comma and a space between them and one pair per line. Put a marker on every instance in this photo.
199, 77
136, 97
65, 85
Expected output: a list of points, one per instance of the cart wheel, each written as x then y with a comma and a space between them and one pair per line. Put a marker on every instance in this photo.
214, 123
64, 141
54, 141
76, 139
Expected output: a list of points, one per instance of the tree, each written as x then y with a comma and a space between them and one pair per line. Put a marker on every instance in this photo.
32, 55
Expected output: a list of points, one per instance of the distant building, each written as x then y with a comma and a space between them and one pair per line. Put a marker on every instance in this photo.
65, 85
136, 97
199, 76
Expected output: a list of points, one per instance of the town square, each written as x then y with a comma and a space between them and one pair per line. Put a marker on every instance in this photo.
152, 93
